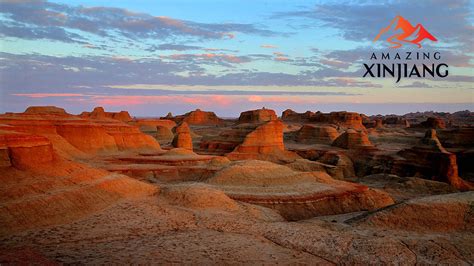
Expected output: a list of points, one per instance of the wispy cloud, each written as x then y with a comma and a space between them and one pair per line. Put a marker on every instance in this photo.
47, 20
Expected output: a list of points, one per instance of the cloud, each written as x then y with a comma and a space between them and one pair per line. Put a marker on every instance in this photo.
416, 84
223, 59
45, 95
60, 22
34, 72
175, 47
335, 63
450, 21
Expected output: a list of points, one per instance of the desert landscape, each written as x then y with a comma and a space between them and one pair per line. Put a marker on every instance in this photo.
297, 188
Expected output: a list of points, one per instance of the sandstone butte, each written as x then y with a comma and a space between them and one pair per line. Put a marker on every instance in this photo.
317, 134
197, 117
74, 135
352, 139
257, 116
342, 119
100, 190
182, 137
431, 159
99, 113
290, 115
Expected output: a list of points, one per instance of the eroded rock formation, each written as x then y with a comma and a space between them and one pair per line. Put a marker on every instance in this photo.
257, 116
182, 137
99, 113
352, 139
316, 134
342, 119
198, 117
431, 160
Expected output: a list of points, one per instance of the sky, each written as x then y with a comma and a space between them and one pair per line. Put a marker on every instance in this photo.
153, 57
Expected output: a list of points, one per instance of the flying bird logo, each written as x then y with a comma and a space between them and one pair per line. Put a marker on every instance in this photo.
408, 33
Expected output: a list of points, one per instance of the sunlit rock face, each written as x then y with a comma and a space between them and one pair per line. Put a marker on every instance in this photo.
257, 116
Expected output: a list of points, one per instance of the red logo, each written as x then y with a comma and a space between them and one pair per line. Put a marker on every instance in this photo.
408, 33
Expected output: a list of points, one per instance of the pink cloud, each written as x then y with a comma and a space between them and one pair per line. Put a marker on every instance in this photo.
281, 58
335, 63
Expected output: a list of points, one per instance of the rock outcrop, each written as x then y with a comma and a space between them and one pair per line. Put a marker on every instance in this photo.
395, 120
197, 117
182, 137
24, 151
74, 136
430, 160
440, 213
290, 115
265, 142
433, 122
342, 119
46, 110
316, 134
296, 195
352, 139
40, 188
164, 134
257, 116
99, 113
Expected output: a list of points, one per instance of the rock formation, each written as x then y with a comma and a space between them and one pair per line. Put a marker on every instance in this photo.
431, 160
257, 116
352, 139
316, 134
164, 134
296, 195
395, 120
440, 213
433, 122
290, 115
342, 119
197, 117
149, 126
74, 136
182, 137
46, 110
40, 188
99, 113
265, 142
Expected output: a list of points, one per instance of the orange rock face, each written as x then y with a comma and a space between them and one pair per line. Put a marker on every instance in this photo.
352, 139
150, 125
164, 134
197, 117
99, 113
45, 110
342, 119
296, 195
182, 138
265, 142
290, 115
72, 135
257, 116
25, 151
264, 139
316, 134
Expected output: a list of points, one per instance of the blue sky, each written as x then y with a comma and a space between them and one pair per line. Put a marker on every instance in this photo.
152, 57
